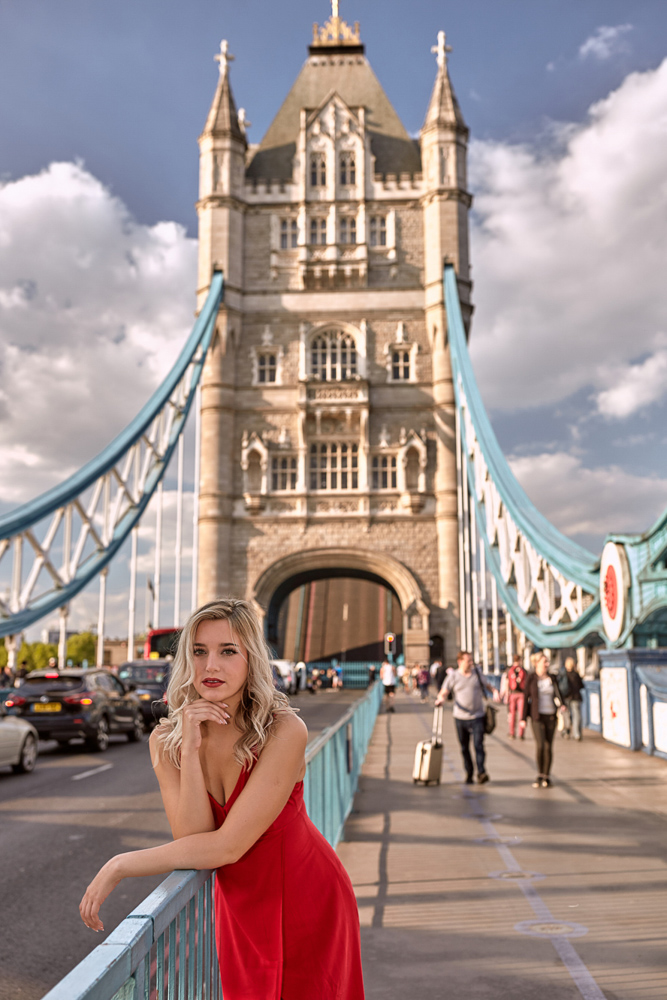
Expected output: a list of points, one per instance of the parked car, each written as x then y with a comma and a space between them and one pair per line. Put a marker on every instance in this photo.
150, 678
62, 705
18, 743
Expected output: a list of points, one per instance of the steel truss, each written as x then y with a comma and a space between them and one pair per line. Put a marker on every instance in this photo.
61, 541
549, 584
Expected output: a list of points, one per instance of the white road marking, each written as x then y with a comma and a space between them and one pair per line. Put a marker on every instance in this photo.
87, 774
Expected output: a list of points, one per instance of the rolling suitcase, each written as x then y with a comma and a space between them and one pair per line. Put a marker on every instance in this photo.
428, 755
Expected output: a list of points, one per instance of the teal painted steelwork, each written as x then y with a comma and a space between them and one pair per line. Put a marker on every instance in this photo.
574, 563
21, 523
165, 949
646, 618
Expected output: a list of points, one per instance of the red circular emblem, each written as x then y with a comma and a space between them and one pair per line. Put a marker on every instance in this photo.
611, 592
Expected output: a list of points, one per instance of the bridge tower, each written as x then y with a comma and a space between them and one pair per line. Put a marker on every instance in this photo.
327, 403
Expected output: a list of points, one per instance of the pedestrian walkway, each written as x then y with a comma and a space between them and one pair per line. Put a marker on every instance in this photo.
502, 890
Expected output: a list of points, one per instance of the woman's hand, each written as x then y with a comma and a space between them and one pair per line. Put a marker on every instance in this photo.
102, 885
193, 716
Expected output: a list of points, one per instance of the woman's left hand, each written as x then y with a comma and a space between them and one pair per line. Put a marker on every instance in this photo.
102, 885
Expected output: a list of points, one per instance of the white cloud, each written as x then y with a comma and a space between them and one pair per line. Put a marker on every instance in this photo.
569, 245
94, 308
605, 42
636, 386
588, 503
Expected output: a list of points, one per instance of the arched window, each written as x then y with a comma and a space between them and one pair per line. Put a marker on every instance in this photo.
318, 170
348, 169
333, 356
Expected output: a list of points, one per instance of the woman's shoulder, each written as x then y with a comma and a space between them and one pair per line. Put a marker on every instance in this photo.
288, 725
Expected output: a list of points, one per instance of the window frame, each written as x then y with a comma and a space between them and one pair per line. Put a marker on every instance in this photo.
333, 356
289, 234
318, 226
377, 231
318, 170
347, 226
289, 474
265, 366
384, 472
333, 466
347, 168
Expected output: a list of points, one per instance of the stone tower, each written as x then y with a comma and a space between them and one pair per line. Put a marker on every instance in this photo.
327, 403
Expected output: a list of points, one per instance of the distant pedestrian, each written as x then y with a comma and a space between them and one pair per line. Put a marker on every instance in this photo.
440, 674
423, 680
516, 698
6, 677
388, 678
570, 686
543, 700
468, 688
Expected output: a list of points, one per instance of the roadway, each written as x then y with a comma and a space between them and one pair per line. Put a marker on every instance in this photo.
58, 827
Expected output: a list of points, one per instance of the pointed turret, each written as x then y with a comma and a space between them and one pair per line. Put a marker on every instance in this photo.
223, 118
444, 109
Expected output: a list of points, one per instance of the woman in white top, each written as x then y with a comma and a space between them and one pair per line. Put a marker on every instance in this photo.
542, 703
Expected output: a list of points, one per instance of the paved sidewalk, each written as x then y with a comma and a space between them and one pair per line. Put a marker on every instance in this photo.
502, 890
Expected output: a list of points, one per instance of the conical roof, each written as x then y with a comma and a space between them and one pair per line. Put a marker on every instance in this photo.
352, 78
444, 108
223, 118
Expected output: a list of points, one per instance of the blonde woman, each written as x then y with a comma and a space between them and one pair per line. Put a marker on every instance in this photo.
230, 763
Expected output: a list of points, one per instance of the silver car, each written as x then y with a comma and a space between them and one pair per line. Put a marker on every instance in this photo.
18, 743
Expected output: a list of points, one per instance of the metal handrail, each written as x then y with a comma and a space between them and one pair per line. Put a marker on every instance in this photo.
166, 947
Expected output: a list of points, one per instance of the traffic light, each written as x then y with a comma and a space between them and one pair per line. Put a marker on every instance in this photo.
389, 643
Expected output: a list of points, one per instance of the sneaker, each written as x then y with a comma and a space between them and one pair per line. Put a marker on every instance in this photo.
511, 736
469, 779
546, 782
523, 736
538, 782
482, 778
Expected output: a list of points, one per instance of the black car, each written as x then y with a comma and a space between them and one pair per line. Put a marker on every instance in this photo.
64, 704
150, 678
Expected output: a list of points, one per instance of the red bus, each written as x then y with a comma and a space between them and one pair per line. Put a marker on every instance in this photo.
161, 642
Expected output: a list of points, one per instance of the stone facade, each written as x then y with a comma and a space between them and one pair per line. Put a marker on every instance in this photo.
327, 403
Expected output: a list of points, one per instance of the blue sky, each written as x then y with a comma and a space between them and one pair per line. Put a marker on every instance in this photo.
100, 108
125, 85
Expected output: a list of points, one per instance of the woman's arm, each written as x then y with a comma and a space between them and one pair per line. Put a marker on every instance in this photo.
257, 807
183, 790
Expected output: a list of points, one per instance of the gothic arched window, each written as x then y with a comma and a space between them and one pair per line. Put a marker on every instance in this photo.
333, 356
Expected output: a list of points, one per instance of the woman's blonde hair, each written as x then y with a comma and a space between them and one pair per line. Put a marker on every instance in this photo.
260, 702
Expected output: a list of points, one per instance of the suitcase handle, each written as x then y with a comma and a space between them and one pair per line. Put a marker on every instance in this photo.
438, 719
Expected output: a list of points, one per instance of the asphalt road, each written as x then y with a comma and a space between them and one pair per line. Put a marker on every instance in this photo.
60, 824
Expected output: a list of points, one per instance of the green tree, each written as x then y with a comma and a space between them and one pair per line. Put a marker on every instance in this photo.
82, 647
40, 653
3, 654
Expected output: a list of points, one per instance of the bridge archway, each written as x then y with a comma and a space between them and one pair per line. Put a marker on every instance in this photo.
283, 576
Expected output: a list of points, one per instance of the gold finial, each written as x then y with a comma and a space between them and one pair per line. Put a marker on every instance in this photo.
335, 31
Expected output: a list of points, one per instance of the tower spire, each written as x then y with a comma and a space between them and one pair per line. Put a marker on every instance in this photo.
444, 108
223, 118
336, 33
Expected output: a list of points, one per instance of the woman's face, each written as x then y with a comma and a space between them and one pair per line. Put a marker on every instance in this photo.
542, 666
221, 663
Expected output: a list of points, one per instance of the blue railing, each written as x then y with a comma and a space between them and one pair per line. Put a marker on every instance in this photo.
165, 949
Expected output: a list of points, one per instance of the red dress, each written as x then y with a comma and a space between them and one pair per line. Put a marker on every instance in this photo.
287, 924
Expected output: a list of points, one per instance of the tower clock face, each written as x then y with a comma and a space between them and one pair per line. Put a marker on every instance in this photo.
614, 582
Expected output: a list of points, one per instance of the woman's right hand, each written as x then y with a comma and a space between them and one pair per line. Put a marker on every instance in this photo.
196, 713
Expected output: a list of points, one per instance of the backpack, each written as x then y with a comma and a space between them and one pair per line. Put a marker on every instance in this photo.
516, 679
563, 682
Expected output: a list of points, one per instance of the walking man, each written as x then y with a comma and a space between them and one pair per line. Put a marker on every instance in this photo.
468, 688
570, 685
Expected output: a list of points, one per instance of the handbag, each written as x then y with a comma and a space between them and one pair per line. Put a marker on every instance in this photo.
490, 710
